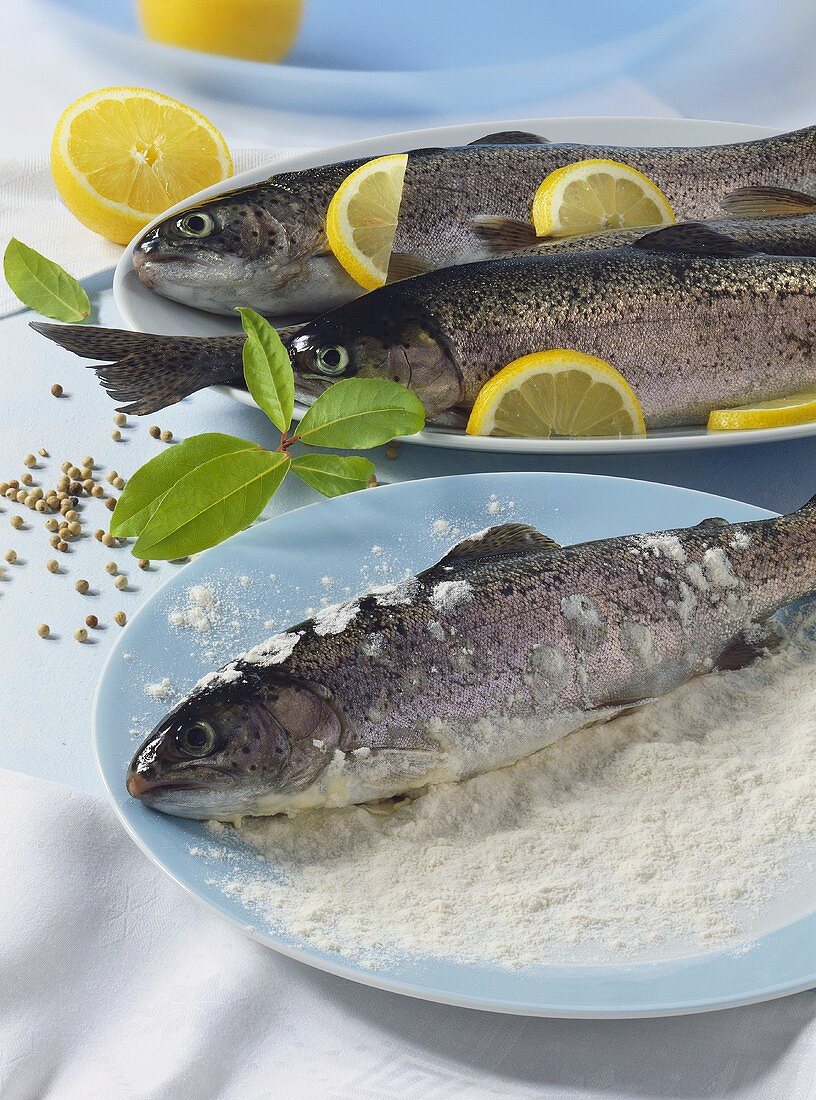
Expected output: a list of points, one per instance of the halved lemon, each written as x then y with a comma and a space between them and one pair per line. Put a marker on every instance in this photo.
593, 195
799, 408
362, 218
120, 156
559, 392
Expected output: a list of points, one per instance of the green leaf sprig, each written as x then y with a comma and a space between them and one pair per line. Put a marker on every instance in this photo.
43, 285
210, 486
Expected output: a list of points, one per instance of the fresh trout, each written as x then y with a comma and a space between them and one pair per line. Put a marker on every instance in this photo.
265, 246
693, 319
507, 644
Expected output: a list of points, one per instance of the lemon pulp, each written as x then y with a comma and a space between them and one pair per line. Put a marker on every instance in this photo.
559, 392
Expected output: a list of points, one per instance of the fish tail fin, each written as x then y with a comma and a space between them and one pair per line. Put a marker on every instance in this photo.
148, 371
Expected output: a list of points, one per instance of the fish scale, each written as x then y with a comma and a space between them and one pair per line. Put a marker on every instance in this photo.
507, 644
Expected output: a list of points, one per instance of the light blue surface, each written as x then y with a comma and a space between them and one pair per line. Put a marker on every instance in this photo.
400, 520
370, 58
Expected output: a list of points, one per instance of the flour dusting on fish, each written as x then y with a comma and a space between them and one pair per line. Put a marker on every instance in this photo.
505, 645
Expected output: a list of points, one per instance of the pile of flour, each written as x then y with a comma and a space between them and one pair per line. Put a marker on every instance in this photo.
676, 823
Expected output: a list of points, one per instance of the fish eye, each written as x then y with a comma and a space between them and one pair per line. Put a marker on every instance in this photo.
198, 224
332, 359
196, 739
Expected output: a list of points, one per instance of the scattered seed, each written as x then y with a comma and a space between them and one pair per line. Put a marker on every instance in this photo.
121, 582
63, 484
75, 488
118, 483
74, 472
116, 435
108, 540
154, 430
81, 634
166, 435
110, 504
88, 462
372, 482
17, 522
75, 528
119, 420
82, 585
112, 568
56, 390
29, 460
55, 541
11, 494
111, 476
98, 533
71, 515
120, 618
66, 466
21, 495
51, 524
88, 484
41, 506
63, 546
43, 630
42, 452
27, 479
91, 621
391, 451
97, 491
52, 565
144, 563
11, 556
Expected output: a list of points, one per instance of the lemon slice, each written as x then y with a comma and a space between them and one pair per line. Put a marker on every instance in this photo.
799, 408
120, 156
559, 392
592, 195
362, 218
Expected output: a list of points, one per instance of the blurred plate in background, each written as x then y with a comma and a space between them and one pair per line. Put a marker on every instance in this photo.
427, 56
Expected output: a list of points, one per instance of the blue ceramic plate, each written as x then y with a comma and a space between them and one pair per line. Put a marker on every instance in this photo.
275, 570
370, 59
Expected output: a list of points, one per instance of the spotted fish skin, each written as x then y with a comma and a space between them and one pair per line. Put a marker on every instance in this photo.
266, 247
690, 329
507, 644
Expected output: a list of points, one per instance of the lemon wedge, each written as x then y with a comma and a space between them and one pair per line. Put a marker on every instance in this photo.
799, 408
593, 195
559, 392
362, 218
120, 156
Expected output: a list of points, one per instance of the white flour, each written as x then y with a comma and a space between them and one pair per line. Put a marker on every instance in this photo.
675, 823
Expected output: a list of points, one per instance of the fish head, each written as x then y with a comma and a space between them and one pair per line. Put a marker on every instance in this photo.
261, 247
383, 341
237, 749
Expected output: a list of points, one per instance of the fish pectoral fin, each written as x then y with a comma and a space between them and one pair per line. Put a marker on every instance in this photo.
403, 265
744, 649
502, 234
767, 202
504, 538
511, 137
693, 239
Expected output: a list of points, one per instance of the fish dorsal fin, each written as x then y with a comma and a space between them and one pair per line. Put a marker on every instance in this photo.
693, 239
767, 202
511, 137
502, 234
713, 521
504, 538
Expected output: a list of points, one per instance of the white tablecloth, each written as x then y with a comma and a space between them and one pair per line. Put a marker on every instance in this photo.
114, 984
